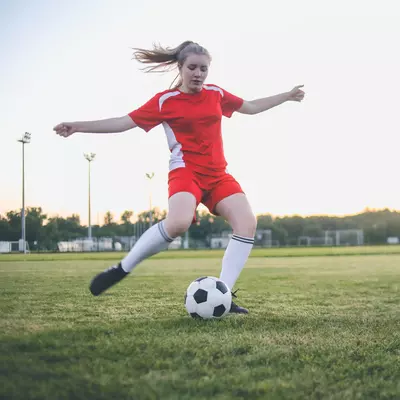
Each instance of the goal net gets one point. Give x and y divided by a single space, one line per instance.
14 247
345 237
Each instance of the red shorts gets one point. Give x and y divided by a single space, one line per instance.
208 190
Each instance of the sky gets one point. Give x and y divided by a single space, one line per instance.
335 153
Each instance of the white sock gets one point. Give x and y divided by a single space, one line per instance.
154 240
235 257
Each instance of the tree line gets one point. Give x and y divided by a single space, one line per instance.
43 232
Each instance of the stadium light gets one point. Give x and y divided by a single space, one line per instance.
24 140
90 157
150 177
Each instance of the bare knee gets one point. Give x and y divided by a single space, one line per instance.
180 215
245 225
238 213
176 226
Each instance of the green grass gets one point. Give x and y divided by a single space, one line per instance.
173 254
319 328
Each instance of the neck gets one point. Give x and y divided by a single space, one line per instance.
185 89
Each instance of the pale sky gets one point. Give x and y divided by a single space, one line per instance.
337 152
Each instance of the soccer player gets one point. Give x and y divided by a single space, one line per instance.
190 113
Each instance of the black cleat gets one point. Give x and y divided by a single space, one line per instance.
235 309
106 279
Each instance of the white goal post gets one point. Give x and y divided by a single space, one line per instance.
346 237
14 247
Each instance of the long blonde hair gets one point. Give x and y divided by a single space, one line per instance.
166 59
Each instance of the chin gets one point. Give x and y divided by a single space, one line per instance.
196 88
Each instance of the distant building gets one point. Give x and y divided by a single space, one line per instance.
393 240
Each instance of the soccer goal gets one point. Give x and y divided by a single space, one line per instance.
314 241
14 247
345 237
263 238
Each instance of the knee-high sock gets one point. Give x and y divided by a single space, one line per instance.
151 242
235 257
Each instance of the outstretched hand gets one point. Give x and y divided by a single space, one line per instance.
65 129
296 94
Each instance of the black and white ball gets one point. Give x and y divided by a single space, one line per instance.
208 297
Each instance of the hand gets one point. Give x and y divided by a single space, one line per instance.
66 129
296 94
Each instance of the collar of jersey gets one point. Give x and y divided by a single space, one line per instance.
191 94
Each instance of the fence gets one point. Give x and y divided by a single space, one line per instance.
263 238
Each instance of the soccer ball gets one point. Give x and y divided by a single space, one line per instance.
208 297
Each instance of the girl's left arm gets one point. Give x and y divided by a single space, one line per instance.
264 104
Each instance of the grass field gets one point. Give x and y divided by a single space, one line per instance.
318 328
256 252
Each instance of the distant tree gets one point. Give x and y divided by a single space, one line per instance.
294 226
312 229
14 222
34 225
126 228
75 218
265 221
376 224
108 218
59 229
126 217
5 229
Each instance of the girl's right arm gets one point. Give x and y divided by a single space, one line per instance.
111 125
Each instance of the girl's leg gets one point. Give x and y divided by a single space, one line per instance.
180 215
237 211
182 207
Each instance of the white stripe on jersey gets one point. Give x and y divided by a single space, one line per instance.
176 159
217 89
166 96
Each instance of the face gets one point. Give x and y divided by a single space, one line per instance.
194 72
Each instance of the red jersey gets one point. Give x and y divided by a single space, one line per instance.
192 124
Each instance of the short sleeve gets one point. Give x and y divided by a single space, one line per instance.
230 103
148 115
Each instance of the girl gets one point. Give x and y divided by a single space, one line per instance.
191 114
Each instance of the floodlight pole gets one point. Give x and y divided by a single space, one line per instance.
23 227
89 157
150 177
24 140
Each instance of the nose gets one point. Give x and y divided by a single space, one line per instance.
197 72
